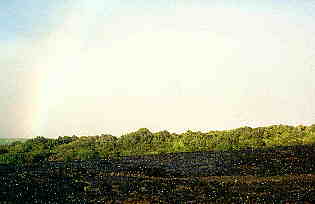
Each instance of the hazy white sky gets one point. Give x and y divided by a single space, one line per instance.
91 67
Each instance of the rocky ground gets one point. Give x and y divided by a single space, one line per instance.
278 175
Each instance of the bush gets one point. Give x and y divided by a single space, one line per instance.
13 158
3 150
143 142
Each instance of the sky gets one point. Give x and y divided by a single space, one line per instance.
92 67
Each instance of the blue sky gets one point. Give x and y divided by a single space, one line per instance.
85 68
19 19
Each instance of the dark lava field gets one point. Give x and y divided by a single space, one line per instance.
277 175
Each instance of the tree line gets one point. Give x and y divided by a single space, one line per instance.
144 142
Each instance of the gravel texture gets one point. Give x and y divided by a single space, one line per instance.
278 175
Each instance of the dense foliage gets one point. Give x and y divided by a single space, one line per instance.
142 141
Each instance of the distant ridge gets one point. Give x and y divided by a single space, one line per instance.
11 140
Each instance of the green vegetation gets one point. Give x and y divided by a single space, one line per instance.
11 140
143 141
